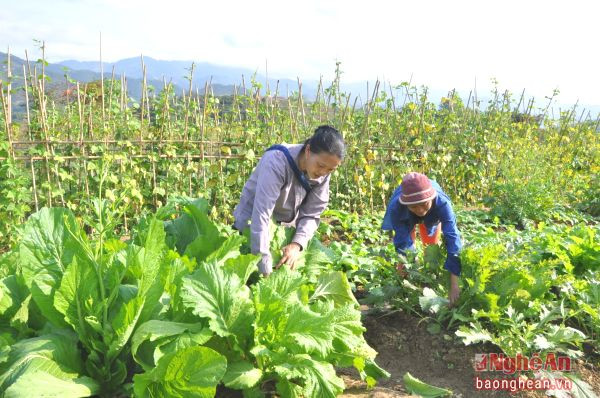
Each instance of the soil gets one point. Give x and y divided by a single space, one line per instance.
405 345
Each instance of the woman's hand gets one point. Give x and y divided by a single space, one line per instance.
454 292
290 253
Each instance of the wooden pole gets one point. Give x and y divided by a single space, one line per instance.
8 88
102 84
110 93
4 102
26 88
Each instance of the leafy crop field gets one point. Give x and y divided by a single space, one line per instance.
532 292
173 301
120 275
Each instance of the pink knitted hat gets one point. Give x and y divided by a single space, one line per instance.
416 188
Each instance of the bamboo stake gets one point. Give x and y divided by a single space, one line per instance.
257 103
581 117
187 104
33 81
354 106
392 96
68 106
53 126
102 84
327 104
122 96
236 106
318 99
44 70
406 88
203 134
301 105
475 95
154 193
42 102
186 137
422 115
35 196
268 92
516 111
25 84
57 176
91 118
142 107
82 162
27 63
8 88
165 112
292 119
505 101
41 95
148 114
198 116
345 111
469 100
110 93
529 106
83 150
4 103
275 109
370 106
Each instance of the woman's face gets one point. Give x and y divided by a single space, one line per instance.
420 209
320 164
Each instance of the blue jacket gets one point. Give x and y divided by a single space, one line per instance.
402 221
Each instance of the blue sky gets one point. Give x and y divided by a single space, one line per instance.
536 45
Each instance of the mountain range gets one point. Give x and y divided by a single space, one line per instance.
178 72
223 79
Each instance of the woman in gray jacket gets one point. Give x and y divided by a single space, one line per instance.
291 185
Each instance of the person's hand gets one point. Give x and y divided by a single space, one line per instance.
401 270
265 266
454 292
290 254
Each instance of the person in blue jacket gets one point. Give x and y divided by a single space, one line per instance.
419 200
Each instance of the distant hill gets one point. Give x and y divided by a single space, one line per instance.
57 81
223 80
178 72
57 73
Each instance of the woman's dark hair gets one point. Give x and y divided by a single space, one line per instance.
327 139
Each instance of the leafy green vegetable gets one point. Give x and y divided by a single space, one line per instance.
222 298
416 386
155 338
54 358
47 248
334 286
44 384
190 372
242 375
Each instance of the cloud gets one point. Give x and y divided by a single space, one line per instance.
536 44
